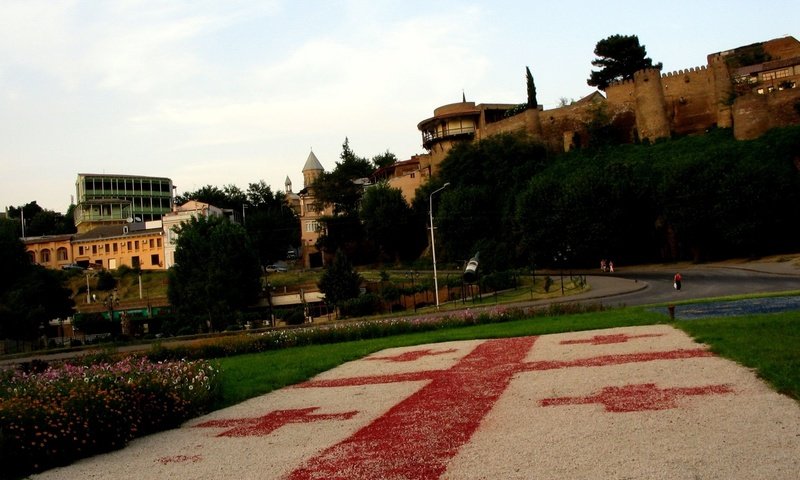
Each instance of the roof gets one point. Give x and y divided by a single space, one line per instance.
112 231
312 163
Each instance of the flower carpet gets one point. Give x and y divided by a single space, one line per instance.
634 402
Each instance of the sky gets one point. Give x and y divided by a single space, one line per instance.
232 92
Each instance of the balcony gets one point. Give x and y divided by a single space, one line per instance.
429 137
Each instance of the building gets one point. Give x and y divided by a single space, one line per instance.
750 89
309 212
184 213
135 245
116 199
51 251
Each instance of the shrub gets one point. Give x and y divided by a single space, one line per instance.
105 281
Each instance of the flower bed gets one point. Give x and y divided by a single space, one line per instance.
349 330
67 412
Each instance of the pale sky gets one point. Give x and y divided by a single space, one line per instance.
237 91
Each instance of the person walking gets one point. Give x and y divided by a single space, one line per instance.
676 281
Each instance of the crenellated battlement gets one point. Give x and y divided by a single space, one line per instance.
676 73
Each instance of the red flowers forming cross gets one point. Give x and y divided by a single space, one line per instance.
264 425
637 398
606 339
418 436
412 356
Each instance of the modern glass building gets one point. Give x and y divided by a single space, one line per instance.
115 199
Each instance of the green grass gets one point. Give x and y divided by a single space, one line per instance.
246 376
768 343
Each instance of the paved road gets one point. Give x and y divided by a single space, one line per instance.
707 281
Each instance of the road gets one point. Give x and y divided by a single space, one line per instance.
706 282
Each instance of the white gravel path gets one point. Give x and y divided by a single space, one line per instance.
531 408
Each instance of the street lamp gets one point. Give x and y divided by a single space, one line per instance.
433 244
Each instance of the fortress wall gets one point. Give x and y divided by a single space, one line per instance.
621 93
754 114
526 122
690 100
651 117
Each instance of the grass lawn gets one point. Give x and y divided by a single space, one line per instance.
246 376
768 343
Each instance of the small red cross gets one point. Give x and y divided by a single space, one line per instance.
605 339
413 355
637 398
266 424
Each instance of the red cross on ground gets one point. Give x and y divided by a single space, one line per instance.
606 339
418 436
412 356
637 398
266 424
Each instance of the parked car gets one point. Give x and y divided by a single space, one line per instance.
275 268
72 266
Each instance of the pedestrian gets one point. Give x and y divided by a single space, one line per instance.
611 266
603 265
676 281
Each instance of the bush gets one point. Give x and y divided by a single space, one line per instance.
295 317
105 281
363 305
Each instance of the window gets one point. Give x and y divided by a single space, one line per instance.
44 255
94 249
136 244
158 242
312 226
115 247
135 263
80 249
152 243
154 260
129 246
108 248
61 254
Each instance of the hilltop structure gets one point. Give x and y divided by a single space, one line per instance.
750 89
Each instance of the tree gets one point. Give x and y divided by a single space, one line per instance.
387 221
532 103
620 56
338 188
384 159
30 295
29 305
216 274
270 223
339 281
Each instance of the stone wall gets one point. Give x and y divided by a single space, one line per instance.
754 114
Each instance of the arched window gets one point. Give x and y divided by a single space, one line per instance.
61 254
44 256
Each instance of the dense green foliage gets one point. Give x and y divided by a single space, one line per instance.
269 221
619 57
387 221
699 198
339 281
215 277
39 221
30 295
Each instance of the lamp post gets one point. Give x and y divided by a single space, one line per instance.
433 243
